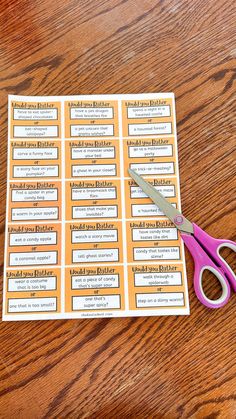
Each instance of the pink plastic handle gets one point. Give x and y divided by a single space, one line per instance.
203 262
213 247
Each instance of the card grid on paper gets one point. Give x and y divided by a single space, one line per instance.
82 239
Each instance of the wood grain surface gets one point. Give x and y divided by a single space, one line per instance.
166 367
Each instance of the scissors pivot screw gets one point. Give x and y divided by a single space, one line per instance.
179 220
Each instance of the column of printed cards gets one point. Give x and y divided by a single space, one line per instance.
155 253
33 248
94 255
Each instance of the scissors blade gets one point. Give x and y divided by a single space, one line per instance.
172 213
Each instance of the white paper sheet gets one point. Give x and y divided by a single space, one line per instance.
82 239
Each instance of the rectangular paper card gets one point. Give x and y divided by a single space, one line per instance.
82 239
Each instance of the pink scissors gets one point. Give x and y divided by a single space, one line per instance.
204 248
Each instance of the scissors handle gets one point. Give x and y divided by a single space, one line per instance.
213 247
205 251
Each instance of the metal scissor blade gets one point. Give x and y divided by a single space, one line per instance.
172 213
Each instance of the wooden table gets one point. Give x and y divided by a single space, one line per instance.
166 367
